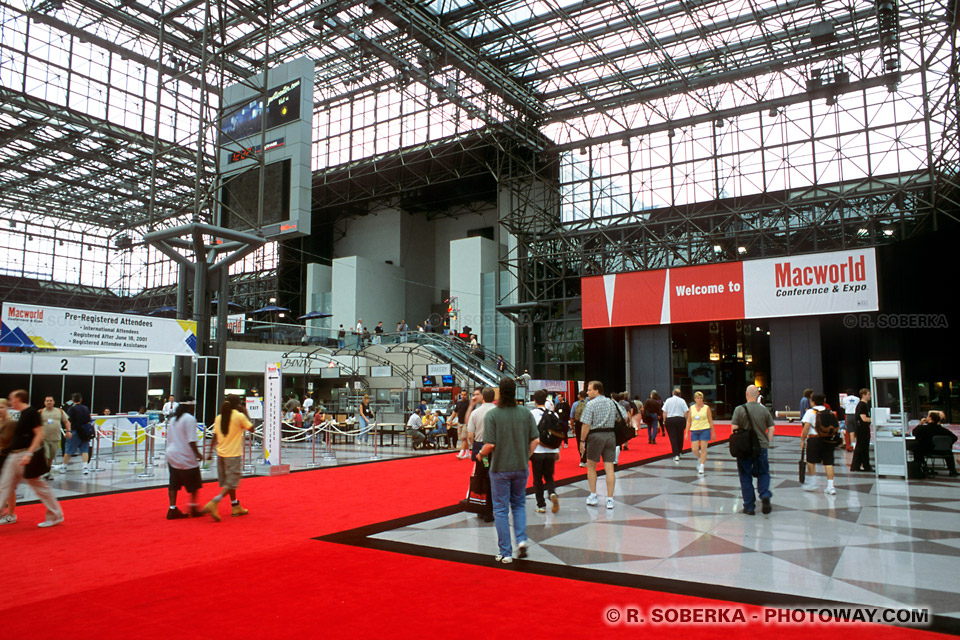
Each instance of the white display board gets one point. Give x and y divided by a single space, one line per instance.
57 328
272 385
439 370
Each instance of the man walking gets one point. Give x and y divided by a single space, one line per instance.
183 459
849 404
819 427
510 434
460 411
544 458
378 333
479 408
861 452
598 439
79 416
341 337
53 419
675 409
754 415
27 441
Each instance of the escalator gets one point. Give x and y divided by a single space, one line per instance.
480 368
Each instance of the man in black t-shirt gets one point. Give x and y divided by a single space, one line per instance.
26 443
861 452
460 411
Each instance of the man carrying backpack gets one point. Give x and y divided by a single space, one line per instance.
545 456
754 415
820 427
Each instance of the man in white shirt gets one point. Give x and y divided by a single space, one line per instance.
307 403
170 407
675 410
475 440
818 442
544 458
849 404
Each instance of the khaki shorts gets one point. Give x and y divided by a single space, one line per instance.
602 445
229 471
51 448
462 431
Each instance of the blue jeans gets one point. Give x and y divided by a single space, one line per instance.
509 489
341 343
652 431
364 435
745 469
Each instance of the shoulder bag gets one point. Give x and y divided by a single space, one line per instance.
37 466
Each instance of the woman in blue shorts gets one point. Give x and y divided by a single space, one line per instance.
699 429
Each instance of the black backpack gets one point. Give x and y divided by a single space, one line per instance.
744 442
552 431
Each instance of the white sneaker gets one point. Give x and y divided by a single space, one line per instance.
86 469
522 548
583 465
50 523
592 500
676 458
609 503
830 491
503 559
700 469
809 486
62 468
8 519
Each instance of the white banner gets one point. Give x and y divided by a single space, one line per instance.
272 413
26 325
811 284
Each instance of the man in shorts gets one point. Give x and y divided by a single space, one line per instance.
53 419
818 426
183 458
598 439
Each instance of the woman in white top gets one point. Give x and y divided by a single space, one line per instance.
699 429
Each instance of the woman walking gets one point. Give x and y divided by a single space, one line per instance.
228 430
699 429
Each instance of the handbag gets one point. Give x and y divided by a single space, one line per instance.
803 464
38 465
621 431
478 492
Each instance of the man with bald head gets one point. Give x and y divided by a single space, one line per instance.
754 415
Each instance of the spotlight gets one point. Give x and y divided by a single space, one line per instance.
741 250
888 232
717 248
774 113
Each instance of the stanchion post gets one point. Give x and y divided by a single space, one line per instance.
328 455
96 448
376 427
313 446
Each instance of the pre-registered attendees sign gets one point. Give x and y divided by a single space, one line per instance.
26 325
804 285
271 413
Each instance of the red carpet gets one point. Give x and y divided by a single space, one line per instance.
118 568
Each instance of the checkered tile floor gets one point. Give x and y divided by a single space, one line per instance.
876 542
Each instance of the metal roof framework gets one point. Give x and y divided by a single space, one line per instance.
108 110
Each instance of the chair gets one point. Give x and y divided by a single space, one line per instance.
942 449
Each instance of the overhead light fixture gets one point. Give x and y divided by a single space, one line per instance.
583 151
774 113
717 248
888 232
718 123
862 232
318 24
831 100
741 250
